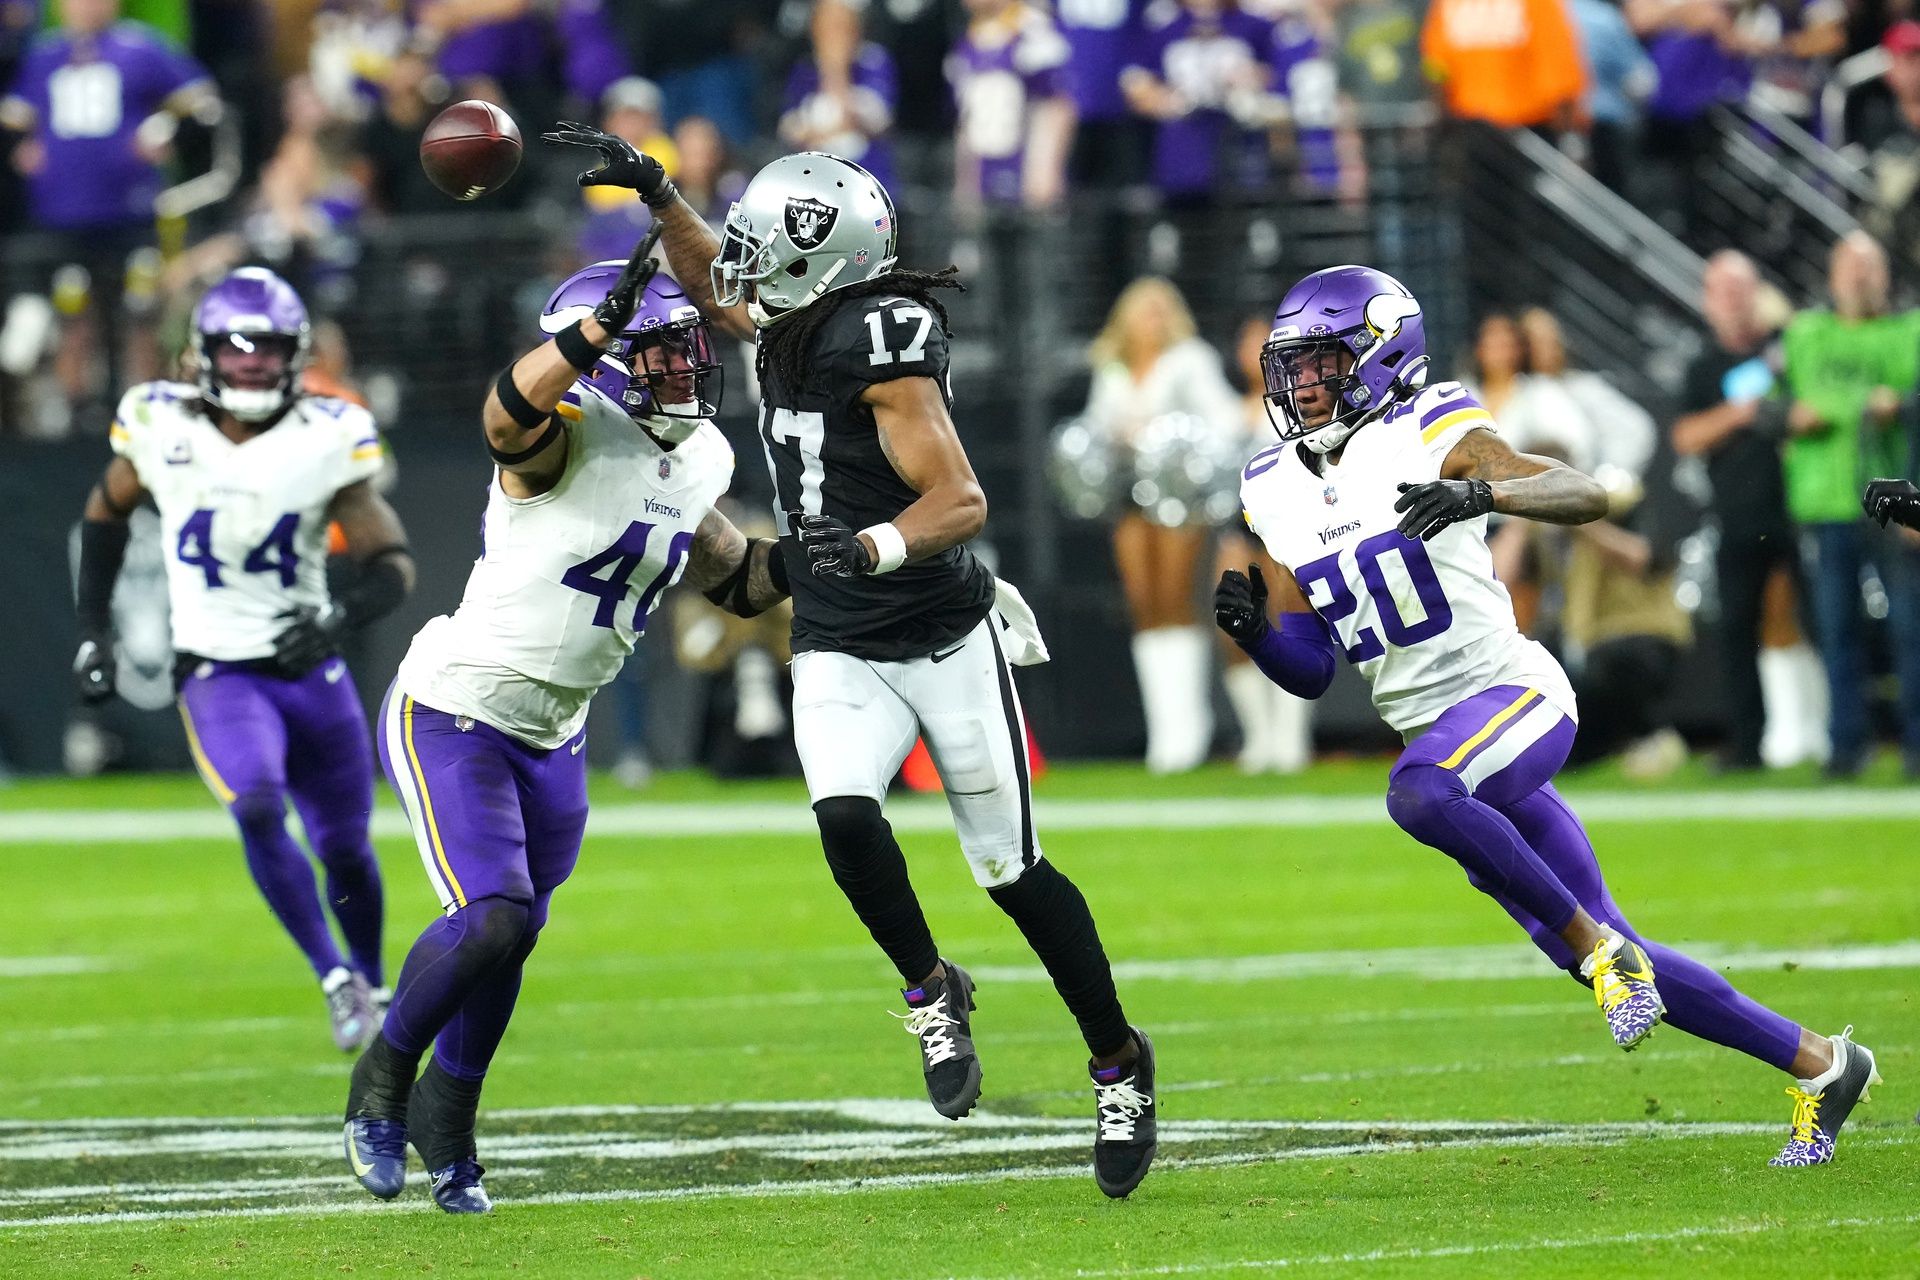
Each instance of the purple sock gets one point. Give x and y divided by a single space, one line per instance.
466 1045
1699 1001
1433 806
284 876
448 962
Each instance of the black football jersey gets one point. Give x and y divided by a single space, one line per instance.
824 452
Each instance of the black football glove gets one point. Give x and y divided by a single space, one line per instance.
310 639
1895 500
93 669
617 308
1240 605
1432 506
833 549
621 163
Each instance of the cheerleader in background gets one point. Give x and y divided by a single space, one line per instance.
1148 362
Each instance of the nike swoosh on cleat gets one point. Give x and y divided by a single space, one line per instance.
942 657
360 1169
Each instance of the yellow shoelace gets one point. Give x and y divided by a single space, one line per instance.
1806 1111
1609 988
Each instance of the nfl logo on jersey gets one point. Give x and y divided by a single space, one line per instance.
1329 495
666 468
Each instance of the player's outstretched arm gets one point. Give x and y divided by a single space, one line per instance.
103 547
691 244
1483 474
1297 655
526 439
744 577
378 544
691 249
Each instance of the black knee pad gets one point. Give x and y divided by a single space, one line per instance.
495 928
852 831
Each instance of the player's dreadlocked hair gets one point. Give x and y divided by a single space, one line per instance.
784 347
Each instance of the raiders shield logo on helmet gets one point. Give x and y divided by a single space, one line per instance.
809 221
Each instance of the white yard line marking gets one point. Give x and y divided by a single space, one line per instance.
1475 963
1477 1250
1542 1136
920 815
51 966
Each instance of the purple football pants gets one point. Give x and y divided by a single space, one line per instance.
1477 785
498 824
259 740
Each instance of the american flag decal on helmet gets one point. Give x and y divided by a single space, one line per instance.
882 223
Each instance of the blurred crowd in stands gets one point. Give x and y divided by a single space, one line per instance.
311 112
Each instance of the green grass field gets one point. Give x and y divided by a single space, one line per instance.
1363 1067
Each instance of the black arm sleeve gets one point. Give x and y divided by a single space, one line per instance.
378 591
103 546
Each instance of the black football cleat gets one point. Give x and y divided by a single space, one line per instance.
937 1018
1129 1133
376 1128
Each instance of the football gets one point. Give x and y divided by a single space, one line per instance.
471 148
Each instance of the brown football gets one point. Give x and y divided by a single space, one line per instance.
471 148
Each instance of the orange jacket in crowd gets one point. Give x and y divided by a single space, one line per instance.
1513 63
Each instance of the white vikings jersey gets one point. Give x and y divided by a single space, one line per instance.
1427 623
244 526
565 581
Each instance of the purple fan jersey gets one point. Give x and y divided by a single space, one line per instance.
86 97
508 50
591 55
1198 57
1305 76
1101 35
873 73
999 69
1695 74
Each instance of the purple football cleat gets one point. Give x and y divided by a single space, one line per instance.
1622 979
457 1188
1822 1105
351 1010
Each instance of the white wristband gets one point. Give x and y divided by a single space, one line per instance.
889 548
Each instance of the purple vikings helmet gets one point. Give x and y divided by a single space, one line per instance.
251 327
1367 314
664 371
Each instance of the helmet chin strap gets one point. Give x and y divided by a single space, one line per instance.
1330 437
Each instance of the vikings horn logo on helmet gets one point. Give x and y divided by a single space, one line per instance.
809 221
1386 311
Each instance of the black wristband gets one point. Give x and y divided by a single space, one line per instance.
732 593
777 566
665 196
515 402
575 349
502 458
103 546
